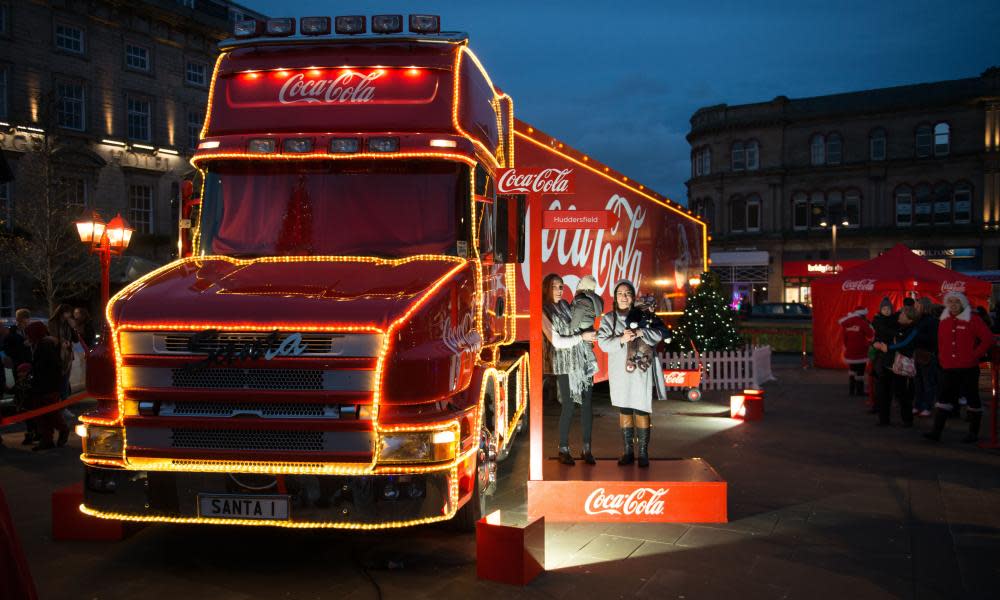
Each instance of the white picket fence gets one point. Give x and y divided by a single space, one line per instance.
732 370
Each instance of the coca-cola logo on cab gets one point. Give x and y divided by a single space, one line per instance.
640 501
858 285
952 286
536 181
349 87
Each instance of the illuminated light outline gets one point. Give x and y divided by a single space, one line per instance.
211 95
456 95
452 508
327 156
379 374
704 227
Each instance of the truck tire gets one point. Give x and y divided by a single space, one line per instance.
486 482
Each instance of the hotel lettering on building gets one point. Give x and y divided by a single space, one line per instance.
120 87
917 164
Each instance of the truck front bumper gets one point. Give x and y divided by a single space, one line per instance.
364 501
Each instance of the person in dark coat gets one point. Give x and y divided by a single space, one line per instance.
884 325
17 353
85 330
46 384
925 357
902 388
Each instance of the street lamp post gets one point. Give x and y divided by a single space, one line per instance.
105 240
833 231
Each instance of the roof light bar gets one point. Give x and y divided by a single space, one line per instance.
383 144
425 24
344 145
314 25
298 145
387 24
350 25
261 146
248 28
283 26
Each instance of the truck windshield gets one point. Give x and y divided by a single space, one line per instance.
371 208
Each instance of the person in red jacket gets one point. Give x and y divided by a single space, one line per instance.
858 334
962 341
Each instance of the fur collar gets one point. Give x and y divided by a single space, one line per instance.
858 313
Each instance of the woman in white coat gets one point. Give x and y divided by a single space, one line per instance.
631 392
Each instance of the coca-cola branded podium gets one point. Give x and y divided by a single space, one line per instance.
684 490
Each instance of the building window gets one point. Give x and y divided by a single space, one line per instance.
817 150
925 136
834 149
7 297
69 38
69 106
737 214
800 211
696 163
942 139
942 204
739 157
753 213
6 207
4 17
194 124
752 150
922 205
705 209
140 208
876 144
136 57
702 162
963 202
817 210
186 3
196 74
74 194
138 119
3 93
835 207
904 207
852 208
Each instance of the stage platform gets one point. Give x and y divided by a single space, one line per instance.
683 490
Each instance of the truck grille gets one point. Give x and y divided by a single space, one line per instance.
260 409
246 439
315 343
248 379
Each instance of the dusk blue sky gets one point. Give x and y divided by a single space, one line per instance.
620 80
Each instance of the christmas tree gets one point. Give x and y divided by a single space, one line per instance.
707 321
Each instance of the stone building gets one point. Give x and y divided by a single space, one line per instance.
916 164
119 87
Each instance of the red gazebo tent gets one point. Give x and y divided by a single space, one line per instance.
897 273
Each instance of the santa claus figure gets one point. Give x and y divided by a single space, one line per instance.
858 334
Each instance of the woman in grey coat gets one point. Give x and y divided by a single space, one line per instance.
564 360
631 392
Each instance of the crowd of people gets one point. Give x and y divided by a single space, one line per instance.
40 355
627 334
923 356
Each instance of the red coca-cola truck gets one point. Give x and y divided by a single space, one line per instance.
338 345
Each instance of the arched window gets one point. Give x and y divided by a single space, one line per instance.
739 157
817 150
752 151
696 163
706 161
904 206
737 214
835 207
852 208
834 149
817 210
753 213
876 144
942 203
922 204
925 137
963 202
800 211
942 139
705 208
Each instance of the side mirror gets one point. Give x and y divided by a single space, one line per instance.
189 204
510 236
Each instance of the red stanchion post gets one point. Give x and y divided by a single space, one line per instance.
995 381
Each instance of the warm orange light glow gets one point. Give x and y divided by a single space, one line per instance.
413 71
281 73
315 72
324 156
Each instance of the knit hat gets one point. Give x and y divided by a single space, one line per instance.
908 301
885 302
23 368
35 331
926 304
587 284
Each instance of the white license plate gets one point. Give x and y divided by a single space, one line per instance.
231 506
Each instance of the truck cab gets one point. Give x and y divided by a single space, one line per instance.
334 349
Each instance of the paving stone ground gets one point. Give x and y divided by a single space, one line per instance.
822 504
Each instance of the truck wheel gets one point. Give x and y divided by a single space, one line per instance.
486 483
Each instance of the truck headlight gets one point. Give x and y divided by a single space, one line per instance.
103 441
417 446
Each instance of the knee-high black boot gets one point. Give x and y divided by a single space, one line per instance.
940 416
643 437
975 419
627 456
